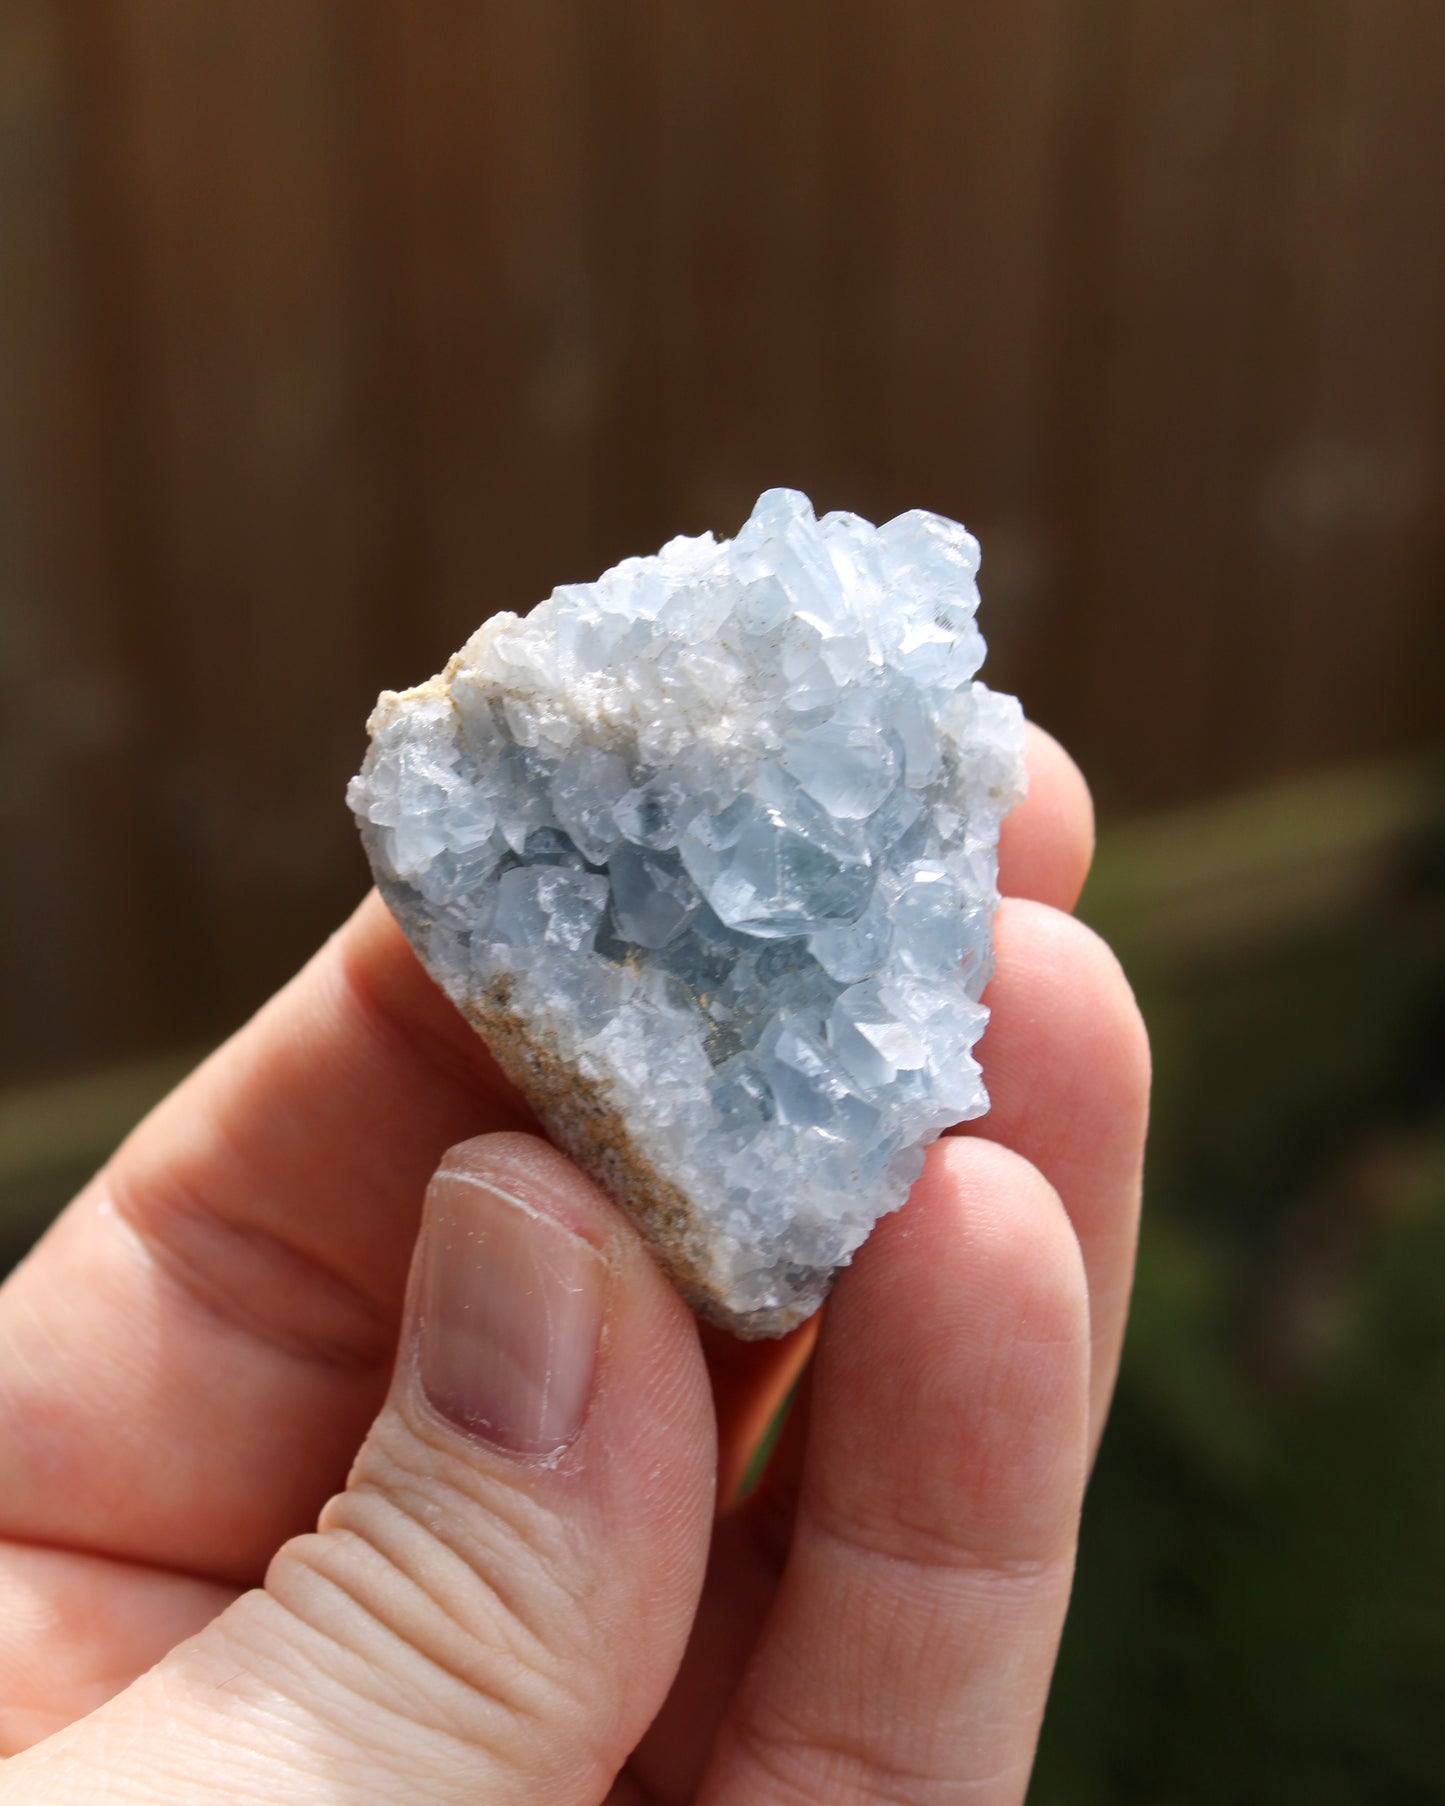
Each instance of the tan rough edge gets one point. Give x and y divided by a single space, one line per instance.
580 1117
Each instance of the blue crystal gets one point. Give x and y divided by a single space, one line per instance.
848 771
656 814
549 906
652 896
811 1087
722 827
586 787
741 1095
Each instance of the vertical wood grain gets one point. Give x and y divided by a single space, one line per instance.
77 981
216 182
332 326
1351 500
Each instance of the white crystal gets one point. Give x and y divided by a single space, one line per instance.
716 835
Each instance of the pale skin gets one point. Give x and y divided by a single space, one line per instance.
244 1558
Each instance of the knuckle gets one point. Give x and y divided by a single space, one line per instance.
247 1275
440 1609
801 1763
986 1469
926 1552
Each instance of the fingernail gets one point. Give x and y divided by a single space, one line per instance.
511 1308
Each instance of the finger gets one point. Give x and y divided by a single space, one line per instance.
242 1261
1066 1060
750 1383
909 1650
75 1629
749 1548
1045 851
1047 843
495 1605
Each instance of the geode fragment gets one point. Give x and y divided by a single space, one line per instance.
706 851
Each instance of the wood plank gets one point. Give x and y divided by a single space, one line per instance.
964 340
1352 551
75 948
217 168
476 115
333 325
1152 449
733 229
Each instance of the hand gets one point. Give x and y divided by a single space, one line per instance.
195 1353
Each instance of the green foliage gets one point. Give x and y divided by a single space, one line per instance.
1259 1614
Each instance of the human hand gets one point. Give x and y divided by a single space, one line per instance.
192 1357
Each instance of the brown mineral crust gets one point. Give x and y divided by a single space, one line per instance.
580 1117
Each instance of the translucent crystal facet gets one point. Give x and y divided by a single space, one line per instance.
706 850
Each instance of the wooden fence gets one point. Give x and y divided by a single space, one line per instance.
328 326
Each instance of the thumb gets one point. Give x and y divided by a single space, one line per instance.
495 1607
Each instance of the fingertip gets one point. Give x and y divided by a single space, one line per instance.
1047 844
971 1304
1064 1018
986 1244
536 1175
650 1344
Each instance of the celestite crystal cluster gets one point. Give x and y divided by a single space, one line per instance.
706 851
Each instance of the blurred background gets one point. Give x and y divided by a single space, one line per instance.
328 327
